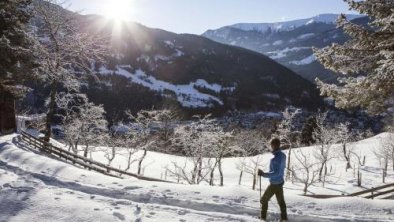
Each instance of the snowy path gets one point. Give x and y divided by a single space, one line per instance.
37 188
122 197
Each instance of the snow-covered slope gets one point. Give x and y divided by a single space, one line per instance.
290 25
34 187
289 43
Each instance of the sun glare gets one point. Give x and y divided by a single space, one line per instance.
119 10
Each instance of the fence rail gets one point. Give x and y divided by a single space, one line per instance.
80 160
368 193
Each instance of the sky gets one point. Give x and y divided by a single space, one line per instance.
197 16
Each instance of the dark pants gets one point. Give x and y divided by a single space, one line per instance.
272 189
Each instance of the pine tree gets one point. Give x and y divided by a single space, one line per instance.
17 61
366 60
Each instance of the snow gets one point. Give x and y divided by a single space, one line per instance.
283 53
290 25
214 87
186 94
305 36
305 61
35 187
278 42
178 52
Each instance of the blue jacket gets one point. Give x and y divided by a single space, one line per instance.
277 168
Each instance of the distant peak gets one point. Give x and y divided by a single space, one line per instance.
292 24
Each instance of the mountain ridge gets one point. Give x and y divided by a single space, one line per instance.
292 47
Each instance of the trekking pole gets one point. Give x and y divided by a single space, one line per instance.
260 195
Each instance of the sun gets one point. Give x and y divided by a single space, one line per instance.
119 10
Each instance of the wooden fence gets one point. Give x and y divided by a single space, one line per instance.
80 160
368 193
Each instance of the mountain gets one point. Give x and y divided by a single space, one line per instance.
289 43
152 68
198 73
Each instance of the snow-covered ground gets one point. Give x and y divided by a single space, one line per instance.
34 187
187 94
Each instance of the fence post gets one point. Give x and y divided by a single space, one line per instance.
372 194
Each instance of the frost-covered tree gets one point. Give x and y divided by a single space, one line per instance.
220 149
325 137
252 144
287 133
70 104
196 141
367 59
131 144
84 123
166 119
113 144
385 153
344 137
141 133
17 48
67 51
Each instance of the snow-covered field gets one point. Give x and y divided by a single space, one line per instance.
34 187
187 94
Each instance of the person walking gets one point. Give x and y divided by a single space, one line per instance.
275 176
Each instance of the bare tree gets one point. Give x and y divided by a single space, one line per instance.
130 147
305 170
67 51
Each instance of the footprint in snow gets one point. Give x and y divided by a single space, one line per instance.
182 220
197 192
57 198
119 216
132 188
137 210
96 209
182 212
